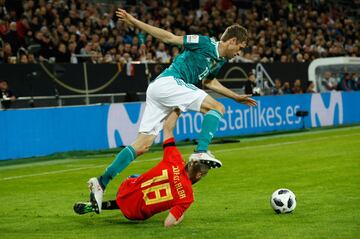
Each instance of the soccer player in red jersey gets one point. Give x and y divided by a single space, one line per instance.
167 186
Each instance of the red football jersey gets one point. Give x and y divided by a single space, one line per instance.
166 186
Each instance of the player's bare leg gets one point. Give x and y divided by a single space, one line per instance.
123 159
170 123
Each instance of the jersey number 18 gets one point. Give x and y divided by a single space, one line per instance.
164 187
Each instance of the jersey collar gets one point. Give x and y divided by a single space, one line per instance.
217 49
217 52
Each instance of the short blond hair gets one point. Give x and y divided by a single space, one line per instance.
237 31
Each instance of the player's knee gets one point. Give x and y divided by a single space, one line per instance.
143 143
141 148
144 148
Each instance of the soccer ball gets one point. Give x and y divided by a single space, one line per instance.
283 201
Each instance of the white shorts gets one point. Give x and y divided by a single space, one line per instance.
163 96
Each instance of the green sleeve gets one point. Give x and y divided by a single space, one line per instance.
194 42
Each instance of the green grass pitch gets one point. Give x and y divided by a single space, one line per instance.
322 167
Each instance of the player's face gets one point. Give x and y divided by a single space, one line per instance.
3 85
194 176
234 48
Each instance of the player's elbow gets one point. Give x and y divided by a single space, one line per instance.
167 40
168 224
171 221
207 83
173 39
171 224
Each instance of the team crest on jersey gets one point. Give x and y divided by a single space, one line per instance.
192 39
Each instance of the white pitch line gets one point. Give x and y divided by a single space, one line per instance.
69 170
252 139
158 158
51 172
296 134
284 143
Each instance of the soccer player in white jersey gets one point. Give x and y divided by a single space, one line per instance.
201 60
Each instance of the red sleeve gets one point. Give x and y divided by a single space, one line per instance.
171 153
169 140
178 210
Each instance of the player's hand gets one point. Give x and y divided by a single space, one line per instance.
124 16
246 99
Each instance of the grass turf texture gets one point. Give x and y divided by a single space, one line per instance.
321 167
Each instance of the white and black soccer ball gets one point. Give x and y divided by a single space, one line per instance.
283 201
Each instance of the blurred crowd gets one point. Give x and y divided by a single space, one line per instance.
348 81
79 30
328 81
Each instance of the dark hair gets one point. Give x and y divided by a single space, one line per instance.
200 167
195 167
237 31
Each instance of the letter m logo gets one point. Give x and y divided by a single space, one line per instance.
326 109
123 123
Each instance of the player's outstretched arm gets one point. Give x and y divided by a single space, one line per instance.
171 220
156 32
216 86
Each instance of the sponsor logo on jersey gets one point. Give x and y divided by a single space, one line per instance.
192 39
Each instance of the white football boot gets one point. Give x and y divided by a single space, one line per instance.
206 158
96 194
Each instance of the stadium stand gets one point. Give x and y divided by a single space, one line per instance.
78 30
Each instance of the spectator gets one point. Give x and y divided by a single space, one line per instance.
161 53
86 50
134 52
150 58
311 87
62 55
250 84
354 82
297 89
277 33
143 52
328 83
22 27
72 51
3 27
7 96
24 59
31 58
286 88
347 83
12 37
7 53
277 89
